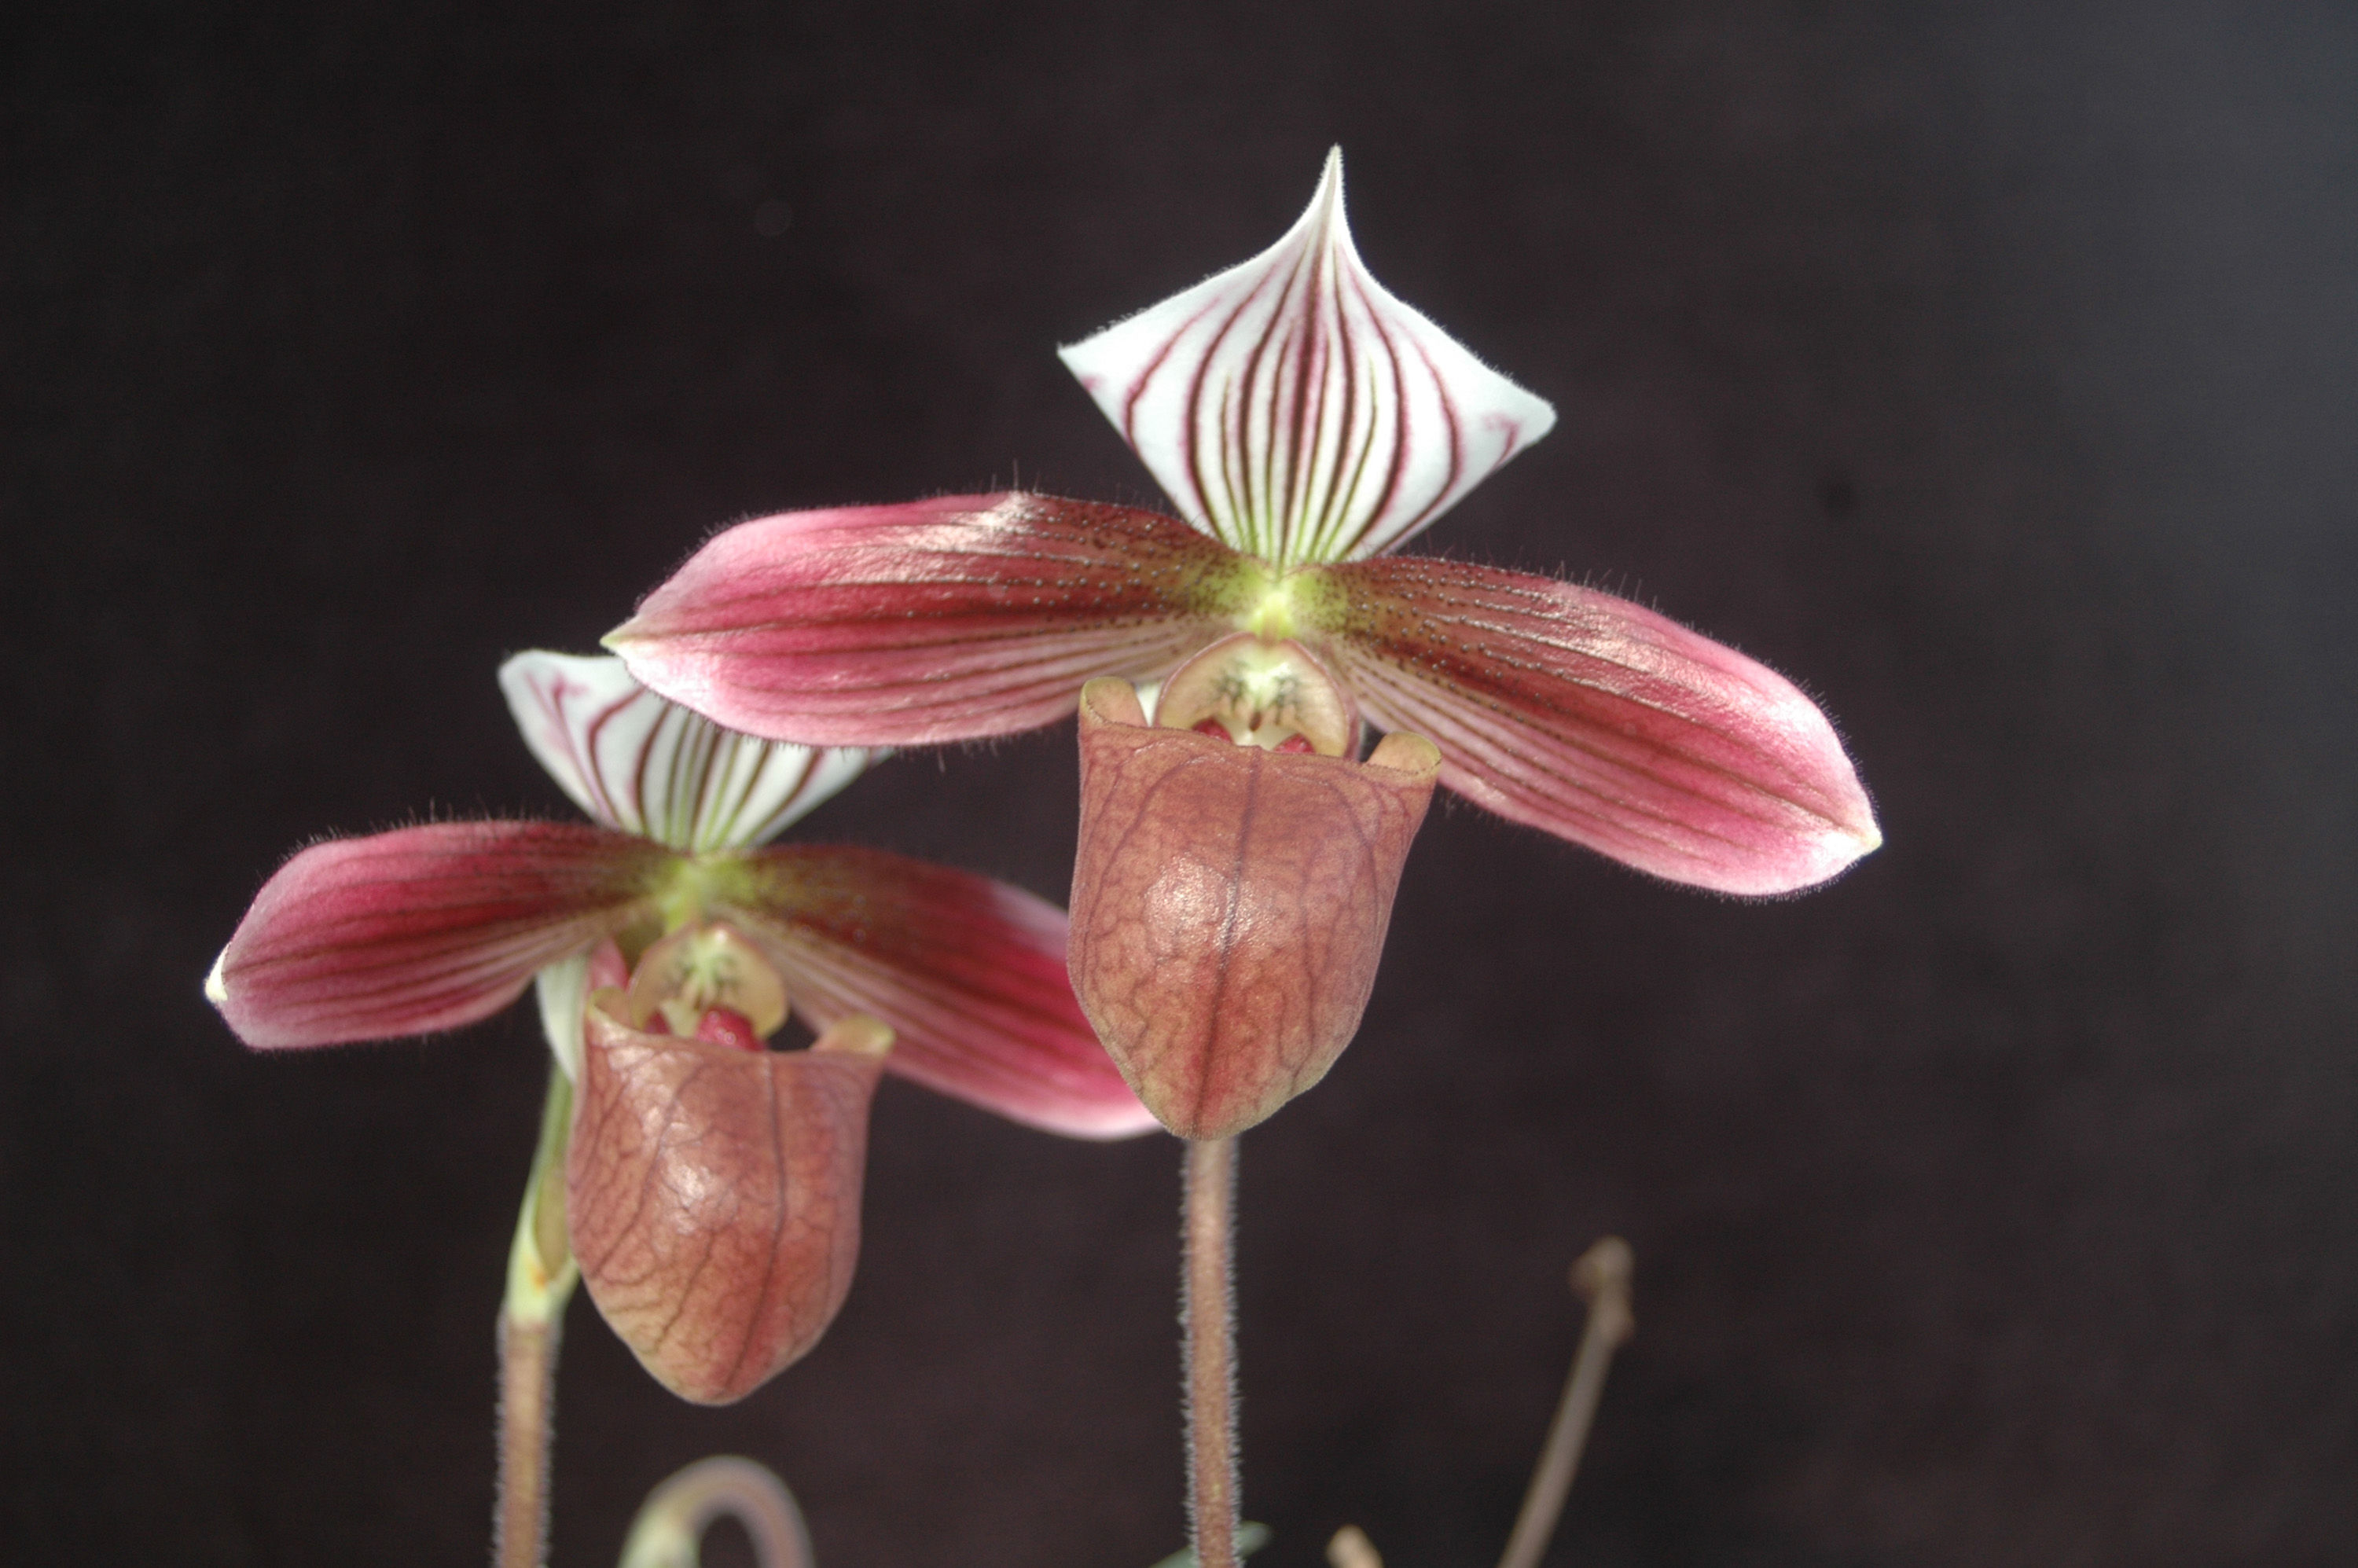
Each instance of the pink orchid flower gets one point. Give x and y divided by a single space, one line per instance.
1238 859
713 1185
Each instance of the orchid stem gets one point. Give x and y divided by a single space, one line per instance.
1208 1329
527 1389
1601 1277
669 1531
541 1276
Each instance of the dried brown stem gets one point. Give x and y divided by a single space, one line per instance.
1602 1278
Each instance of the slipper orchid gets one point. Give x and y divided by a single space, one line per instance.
1237 860
711 1186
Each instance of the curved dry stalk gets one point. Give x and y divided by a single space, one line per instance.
1601 1277
1350 1547
669 1530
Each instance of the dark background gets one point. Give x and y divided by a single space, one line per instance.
1988 367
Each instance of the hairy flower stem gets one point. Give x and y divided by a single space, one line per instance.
1208 1330
541 1276
1601 1276
527 1389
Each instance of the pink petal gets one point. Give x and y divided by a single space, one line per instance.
423 929
1293 408
650 767
941 619
1601 723
1229 906
712 1194
969 973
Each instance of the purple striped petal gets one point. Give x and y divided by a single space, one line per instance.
1600 721
650 767
943 619
423 929
1295 409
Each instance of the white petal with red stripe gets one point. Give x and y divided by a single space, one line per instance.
1295 410
646 766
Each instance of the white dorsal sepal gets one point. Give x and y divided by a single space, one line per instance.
646 766
1293 408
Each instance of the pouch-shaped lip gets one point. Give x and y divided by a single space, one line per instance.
1229 906
713 1194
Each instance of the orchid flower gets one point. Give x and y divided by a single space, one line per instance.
1238 859
711 1185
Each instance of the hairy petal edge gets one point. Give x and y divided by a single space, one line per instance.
1600 721
422 929
935 621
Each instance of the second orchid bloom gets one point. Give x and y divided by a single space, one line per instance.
1237 856
710 1190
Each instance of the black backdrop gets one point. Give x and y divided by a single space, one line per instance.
1988 367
